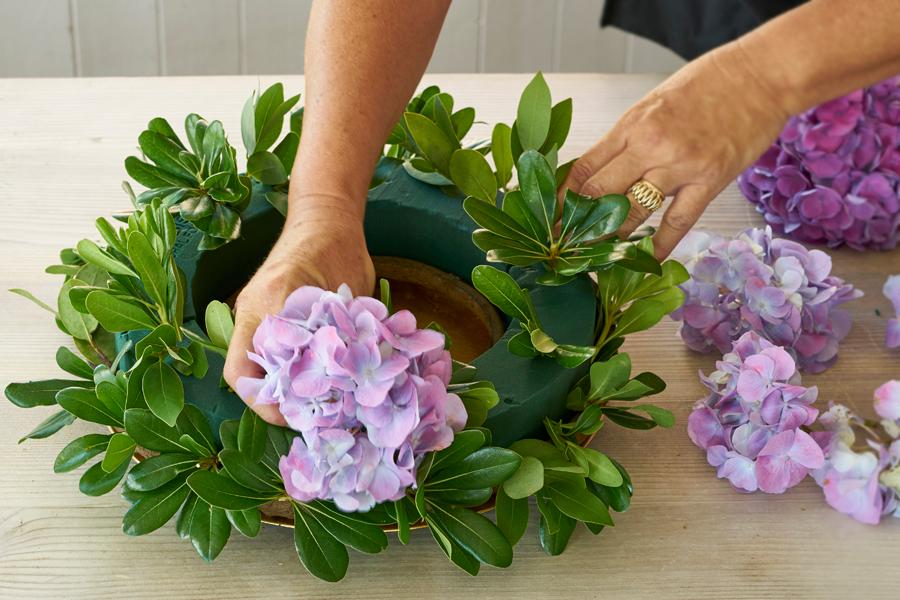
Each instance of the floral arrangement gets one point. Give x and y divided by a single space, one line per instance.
384 427
771 286
756 428
833 175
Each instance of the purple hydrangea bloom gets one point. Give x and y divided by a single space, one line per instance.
750 423
366 390
833 175
892 292
771 286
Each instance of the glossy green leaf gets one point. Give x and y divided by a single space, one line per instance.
155 509
157 471
514 205
503 292
266 168
286 150
163 392
219 323
660 416
321 554
555 528
486 467
249 473
96 482
458 555
609 375
116 314
627 419
578 503
69 362
431 141
472 174
152 433
39 393
464 443
49 426
252 435
79 451
560 121
120 449
642 314
502 152
77 324
533 115
148 266
84 404
248 522
475 533
208 529
520 345
538 186
598 466
512 516
348 529
92 253
527 480
221 491
194 423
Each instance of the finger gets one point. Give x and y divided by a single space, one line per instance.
682 214
592 161
238 365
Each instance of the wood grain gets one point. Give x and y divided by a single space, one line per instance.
687 535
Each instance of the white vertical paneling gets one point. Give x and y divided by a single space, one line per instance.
201 37
649 57
457 47
583 46
519 36
275 31
117 38
36 39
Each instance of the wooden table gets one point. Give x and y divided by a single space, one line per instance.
687 534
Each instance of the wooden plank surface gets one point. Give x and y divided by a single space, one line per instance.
687 534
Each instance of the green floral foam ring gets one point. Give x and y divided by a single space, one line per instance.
408 219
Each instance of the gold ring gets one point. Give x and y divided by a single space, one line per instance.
647 195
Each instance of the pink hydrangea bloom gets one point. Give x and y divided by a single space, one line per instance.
749 424
833 176
366 390
892 292
887 400
773 287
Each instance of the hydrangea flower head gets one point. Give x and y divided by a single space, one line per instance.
833 175
771 286
366 390
749 424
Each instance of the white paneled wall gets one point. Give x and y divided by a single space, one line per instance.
53 38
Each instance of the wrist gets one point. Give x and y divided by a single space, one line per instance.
765 95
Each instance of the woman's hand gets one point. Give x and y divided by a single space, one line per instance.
690 137
322 245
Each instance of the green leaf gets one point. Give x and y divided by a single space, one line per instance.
152 433
514 205
83 403
512 516
642 314
660 416
626 419
538 186
39 393
533 115
587 220
224 223
248 472
542 342
116 314
96 482
120 449
163 392
193 422
349 530
462 121
164 152
487 467
495 220
560 121
520 345
643 262
92 253
503 292
551 457
208 529
469 498
49 426
321 554
111 396
286 150
157 471
219 323
572 356
29 296
464 443
219 490
148 266
79 451
77 324
246 521
475 533
555 528
402 521
578 503
252 435
471 173
502 152
154 509
599 467
458 555
431 141
608 376
527 480
69 362
266 168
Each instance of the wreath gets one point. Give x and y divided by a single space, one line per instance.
182 445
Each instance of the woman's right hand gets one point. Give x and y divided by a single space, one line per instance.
322 244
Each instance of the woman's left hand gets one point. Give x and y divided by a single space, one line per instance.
689 137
